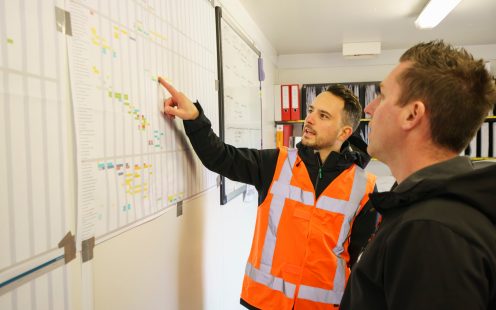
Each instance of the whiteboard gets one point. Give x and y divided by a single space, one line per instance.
132 162
83 145
240 100
36 166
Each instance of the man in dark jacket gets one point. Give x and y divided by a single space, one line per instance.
299 261
436 245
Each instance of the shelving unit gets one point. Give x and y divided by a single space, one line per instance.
489 119
301 121
482 147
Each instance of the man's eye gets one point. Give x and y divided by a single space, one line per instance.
379 96
324 116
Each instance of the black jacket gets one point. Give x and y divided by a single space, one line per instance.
436 245
257 167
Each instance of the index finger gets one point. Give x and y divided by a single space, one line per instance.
168 86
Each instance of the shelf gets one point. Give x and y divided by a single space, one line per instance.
489 119
301 121
471 158
482 158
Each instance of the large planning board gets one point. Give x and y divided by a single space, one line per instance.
84 149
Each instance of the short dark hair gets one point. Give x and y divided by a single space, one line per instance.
352 108
457 90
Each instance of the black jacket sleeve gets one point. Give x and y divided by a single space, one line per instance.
250 166
364 226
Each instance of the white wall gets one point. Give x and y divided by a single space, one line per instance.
195 261
333 67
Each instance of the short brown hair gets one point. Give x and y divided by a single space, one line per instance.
352 108
457 90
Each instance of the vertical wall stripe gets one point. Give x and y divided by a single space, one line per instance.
62 108
27 137
8 154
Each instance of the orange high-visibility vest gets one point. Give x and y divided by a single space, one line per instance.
299 252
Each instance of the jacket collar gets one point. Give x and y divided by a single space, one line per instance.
440 171
353 150
421 185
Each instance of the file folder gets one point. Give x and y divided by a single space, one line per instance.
295 102
279 135
287 132
285 103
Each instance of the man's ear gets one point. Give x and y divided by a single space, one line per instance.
412 114
346 132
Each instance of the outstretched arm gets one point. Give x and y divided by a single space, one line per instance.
249 166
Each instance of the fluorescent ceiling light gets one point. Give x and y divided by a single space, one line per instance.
434 12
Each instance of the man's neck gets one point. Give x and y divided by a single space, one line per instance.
405 165
324 153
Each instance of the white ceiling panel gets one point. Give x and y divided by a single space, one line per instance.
321 26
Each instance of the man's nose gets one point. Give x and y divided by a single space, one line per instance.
309 118
370 108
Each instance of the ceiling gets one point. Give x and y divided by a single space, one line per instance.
321 26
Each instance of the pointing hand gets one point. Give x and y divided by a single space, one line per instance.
178 104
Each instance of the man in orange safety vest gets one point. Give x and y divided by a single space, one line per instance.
313 217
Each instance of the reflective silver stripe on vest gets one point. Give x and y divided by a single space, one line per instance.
280 192
348 209
275 283
321 295
283 188
275 212
292 192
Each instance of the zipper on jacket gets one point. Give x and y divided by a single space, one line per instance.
319 173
